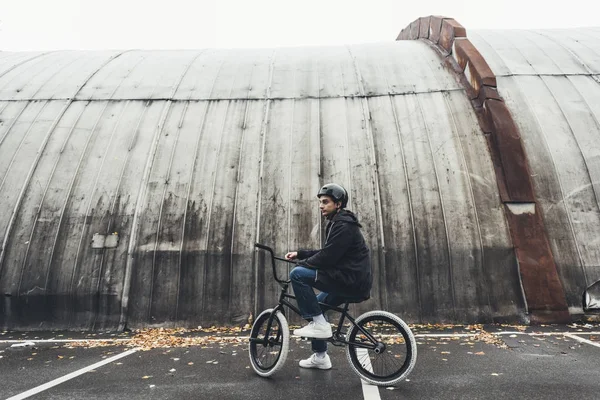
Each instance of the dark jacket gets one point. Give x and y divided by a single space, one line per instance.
344 262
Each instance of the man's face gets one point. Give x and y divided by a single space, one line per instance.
327 205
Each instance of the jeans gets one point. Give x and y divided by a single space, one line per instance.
303 281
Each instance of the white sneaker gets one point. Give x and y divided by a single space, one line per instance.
314 330
316 362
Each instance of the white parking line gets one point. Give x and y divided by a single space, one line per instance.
63 340
582 340
370 392
70 376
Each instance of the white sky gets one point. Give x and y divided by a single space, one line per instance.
180 24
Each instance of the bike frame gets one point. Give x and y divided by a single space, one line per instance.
335 339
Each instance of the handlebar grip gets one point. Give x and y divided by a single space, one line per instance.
262 246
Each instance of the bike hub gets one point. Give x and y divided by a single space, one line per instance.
379 348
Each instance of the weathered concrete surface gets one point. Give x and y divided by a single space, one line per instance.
192 156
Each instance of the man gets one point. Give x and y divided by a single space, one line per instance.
341 270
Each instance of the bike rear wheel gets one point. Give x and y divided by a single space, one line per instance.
386 358
268 350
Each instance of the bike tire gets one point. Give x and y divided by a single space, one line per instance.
268 359
391 364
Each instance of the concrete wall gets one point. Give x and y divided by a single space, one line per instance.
134 184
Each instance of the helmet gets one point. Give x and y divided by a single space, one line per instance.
337 192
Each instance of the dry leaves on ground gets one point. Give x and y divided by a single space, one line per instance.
148 339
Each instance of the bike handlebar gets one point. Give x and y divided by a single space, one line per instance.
273 258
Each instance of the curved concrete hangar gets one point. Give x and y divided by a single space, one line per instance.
134 184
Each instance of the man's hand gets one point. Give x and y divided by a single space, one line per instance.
292 255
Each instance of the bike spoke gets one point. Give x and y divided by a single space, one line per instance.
389 339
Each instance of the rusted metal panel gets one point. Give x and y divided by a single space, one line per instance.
499 277
558 119
547 186
570 132
512 155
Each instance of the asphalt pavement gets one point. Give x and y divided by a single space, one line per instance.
460 362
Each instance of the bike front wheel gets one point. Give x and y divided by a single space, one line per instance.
269 345
381 348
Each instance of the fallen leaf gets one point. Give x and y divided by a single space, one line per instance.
190 363
479 353
146 376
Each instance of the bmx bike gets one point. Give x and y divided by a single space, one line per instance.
380 347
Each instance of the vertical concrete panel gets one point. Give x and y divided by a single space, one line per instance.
401 285
123 204
24 139
156 275
22 189
460 217
58 265
243 260
434 278
156 269
194 266
101 199
220 226
304 221
33 226
275 197
364 200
